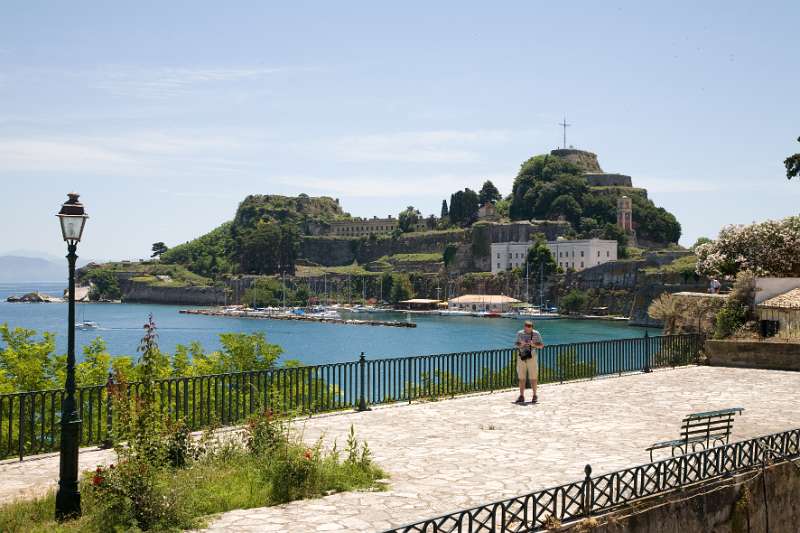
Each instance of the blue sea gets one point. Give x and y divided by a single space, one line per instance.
308 342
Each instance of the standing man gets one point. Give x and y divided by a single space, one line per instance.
714 286
529 341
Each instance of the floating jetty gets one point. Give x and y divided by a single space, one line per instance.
240 313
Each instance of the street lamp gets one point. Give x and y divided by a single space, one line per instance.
68 497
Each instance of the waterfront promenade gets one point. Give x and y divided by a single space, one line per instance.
451 454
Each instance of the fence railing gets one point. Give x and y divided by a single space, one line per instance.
30 421
596 495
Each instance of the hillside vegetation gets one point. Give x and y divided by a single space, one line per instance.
263 237
548 187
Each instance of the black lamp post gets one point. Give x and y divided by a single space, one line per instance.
68 497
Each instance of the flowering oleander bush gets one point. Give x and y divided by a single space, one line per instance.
770 248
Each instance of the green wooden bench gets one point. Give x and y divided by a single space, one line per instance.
703 430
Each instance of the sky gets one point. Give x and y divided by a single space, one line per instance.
165 115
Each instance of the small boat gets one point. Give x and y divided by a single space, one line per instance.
86 325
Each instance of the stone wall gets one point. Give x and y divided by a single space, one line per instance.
608 180
735 505
141 292
586 161
767 354
332 251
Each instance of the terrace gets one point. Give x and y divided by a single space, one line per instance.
453 454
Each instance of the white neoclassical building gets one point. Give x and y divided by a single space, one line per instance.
575 254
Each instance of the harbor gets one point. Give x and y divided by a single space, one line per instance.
282 314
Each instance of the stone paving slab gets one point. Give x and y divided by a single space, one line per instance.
451 454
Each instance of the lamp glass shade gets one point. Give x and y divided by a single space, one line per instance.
72 226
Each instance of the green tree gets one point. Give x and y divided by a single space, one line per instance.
488 193
464 207
539 258
792 164
158 249
401 288
260 249
408 219
574 301
240 352
567 207
27 363
701 241
533 174
104 285
445 212
449 254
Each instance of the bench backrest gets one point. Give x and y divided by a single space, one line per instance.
707 426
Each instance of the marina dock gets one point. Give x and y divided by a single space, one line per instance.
240 313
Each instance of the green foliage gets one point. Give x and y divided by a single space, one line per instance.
104 285
401 288
548 187
481 240
267 292
502 207
539 257
488 193
27 363
569 366
158 249
208 255
728 320
444 213
737 309
408 219
574 301
701 241
240 352
449 255
792 164
464 207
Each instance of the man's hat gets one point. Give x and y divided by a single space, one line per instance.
528 323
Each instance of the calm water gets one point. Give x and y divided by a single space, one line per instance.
121 328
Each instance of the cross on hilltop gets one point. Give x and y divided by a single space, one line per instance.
565 126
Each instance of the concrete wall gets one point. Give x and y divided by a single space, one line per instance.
774 355
767 288
735 505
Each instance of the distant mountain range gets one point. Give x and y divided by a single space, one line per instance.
18 269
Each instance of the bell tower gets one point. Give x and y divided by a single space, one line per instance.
625 214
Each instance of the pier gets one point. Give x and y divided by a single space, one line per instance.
240 313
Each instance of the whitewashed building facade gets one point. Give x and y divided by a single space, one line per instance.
575 254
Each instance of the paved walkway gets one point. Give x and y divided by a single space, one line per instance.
451 454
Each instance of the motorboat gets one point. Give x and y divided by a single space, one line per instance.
86 325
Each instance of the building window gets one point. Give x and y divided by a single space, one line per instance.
498 265
608 253
581 264
598 253
581 253
498 256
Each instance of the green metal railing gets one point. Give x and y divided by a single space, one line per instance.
29 421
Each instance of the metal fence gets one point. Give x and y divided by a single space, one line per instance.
601 494
30 421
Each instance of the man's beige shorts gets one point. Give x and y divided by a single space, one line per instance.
531 366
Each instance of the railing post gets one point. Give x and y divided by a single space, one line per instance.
21 440
646 368
588 489
108 442
362 370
